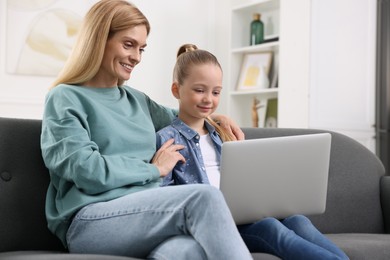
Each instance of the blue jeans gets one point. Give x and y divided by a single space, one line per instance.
177 222
292 238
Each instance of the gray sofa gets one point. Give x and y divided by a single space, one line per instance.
357 216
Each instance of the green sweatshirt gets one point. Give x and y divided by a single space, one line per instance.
97 144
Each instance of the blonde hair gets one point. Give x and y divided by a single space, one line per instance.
103 20
188 56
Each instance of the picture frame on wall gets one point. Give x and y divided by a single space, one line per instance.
40 35
255 70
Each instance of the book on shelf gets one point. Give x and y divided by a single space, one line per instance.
275 78
271 115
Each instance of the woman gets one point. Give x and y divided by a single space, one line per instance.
98 142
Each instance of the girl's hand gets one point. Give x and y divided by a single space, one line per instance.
229 125
167 157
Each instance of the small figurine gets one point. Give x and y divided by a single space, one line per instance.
255 115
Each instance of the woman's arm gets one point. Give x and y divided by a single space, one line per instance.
229 125
84 144
72 157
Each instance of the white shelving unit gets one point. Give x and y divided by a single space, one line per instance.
240 102
326 65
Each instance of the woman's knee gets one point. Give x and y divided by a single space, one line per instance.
207 193
178 247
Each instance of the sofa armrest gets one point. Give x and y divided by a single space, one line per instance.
385 201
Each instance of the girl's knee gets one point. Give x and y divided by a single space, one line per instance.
300 225
271 224
296 220
267 227
270 221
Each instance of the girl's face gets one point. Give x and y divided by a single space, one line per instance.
199 94
122 53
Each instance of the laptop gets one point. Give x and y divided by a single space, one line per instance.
275 177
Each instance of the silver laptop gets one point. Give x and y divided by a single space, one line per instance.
275 177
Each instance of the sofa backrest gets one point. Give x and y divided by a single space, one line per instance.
353 203
353 200
23 183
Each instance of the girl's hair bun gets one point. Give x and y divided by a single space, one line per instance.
186 48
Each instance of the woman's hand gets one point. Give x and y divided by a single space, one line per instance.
229 125
167 157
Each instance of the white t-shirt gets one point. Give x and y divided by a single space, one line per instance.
210 160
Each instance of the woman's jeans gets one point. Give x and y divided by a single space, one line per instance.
177 222
292 238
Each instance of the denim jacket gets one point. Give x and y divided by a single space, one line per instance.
193 170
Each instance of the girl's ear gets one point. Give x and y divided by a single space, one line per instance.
175 90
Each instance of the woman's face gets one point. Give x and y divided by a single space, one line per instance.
122 53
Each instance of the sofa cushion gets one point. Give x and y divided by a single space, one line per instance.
45 255
363 246
23 183
264 256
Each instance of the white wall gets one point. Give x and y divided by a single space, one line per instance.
207 24
20 95
173 23
294 66
343 57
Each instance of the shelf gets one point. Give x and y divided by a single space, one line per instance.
269 46
266 93
265 4
240 102
242 16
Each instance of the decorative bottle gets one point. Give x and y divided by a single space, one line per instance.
256 30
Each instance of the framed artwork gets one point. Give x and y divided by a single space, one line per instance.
40 34
255 71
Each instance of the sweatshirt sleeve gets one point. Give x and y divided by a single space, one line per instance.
73 159
161 116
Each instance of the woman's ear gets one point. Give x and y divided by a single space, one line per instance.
175 90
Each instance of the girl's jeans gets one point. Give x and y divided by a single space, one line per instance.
292 238
178 222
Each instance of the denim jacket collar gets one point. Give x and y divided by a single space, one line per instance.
188 132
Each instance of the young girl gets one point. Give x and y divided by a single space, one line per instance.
197 84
